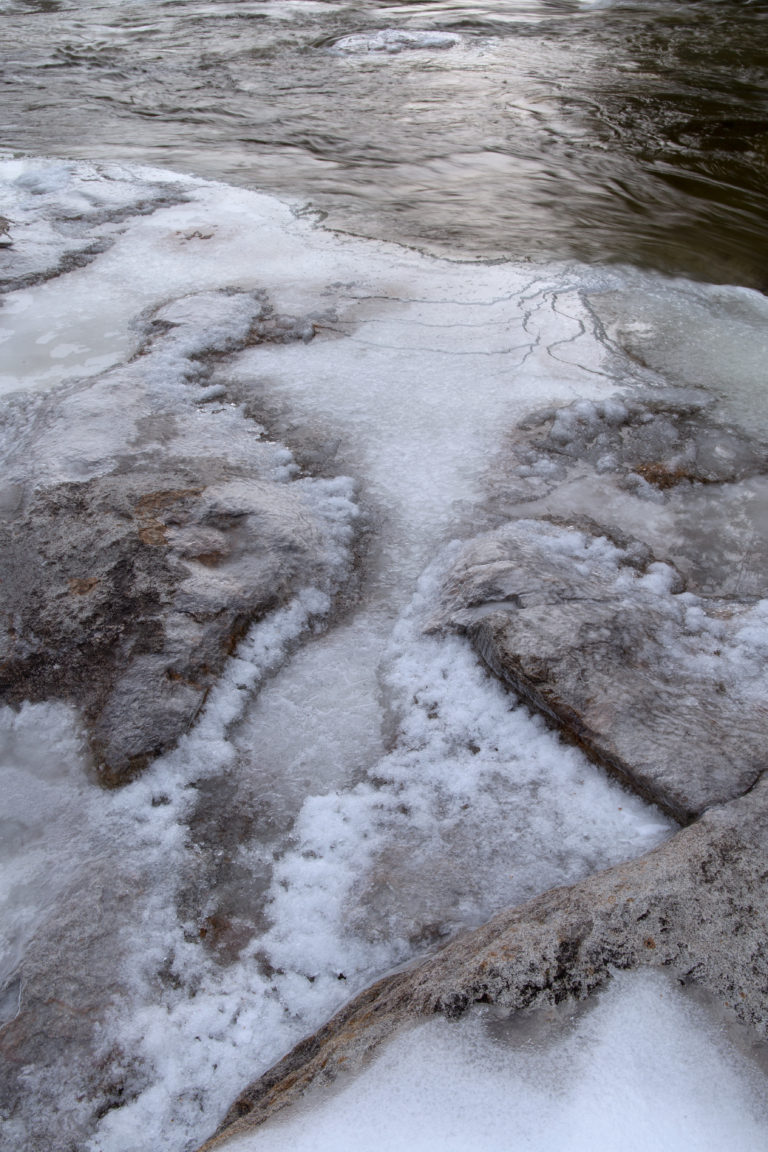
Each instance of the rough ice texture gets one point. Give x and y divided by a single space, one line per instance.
698 905
662 687
657 465
174 993
156 525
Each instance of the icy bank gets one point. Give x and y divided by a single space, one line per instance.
199 390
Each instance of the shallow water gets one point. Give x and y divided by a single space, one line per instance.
635 132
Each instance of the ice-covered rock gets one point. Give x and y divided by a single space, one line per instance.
147 524
395 40
55 216
632 612
697 906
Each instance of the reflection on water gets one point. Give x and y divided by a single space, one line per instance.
634 132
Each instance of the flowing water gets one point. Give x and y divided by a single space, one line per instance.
484 208
630 131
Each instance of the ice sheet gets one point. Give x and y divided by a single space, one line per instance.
644 1067
431 799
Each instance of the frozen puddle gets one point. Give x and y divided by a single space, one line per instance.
353 791
644 1066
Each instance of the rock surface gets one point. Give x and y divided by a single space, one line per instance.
641 637
664 688
657 670
134 556
698 906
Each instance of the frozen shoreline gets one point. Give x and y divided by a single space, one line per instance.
435 800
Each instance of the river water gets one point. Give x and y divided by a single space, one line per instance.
635 132
483 208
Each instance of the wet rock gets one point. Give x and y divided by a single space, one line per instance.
133 557
697 906
664 688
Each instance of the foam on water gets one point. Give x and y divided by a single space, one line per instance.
395 40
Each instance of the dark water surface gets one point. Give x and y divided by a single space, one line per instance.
629 132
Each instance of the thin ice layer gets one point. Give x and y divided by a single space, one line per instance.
147 524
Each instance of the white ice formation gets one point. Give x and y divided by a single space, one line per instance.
374 790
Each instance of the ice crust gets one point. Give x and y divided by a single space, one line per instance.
374 790
61 215
644 1066
696 335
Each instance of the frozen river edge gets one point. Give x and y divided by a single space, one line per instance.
272 485
651 670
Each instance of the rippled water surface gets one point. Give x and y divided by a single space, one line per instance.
632 132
